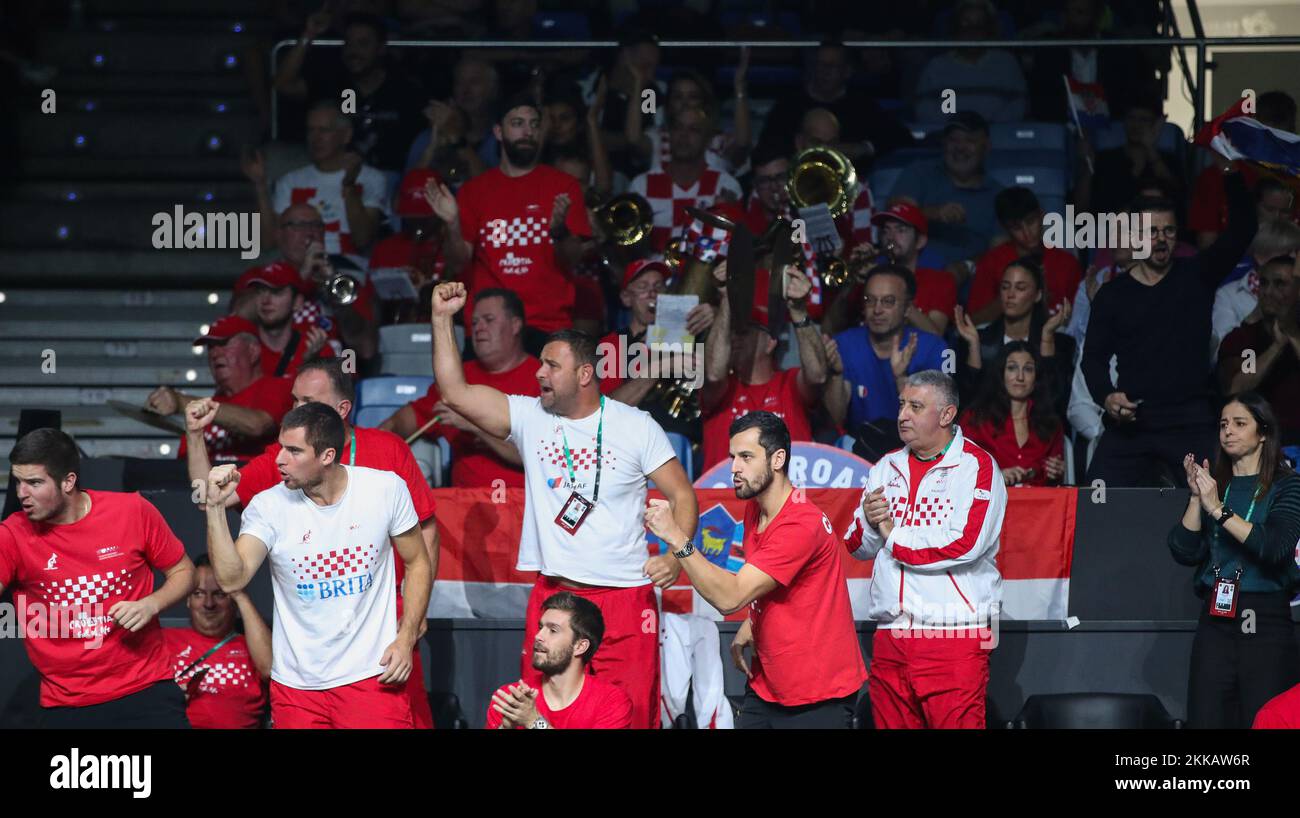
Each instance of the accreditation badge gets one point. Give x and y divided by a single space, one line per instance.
575 510
1223 598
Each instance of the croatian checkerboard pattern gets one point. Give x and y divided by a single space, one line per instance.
85 590
516 232
339 563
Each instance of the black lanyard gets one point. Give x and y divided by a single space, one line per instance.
568 458
208 653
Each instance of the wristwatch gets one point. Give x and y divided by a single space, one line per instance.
801 323
540 724
686 550
1225 514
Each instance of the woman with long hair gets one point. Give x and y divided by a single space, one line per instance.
1013 419
1024 318
1240 531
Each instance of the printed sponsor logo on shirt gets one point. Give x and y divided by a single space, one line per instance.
52 564
306 537
981 494
513 265
108 552
335 574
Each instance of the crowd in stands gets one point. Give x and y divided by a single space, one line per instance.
490 165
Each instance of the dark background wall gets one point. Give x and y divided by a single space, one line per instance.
1134 604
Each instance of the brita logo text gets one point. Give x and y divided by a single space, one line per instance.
333 588
91 772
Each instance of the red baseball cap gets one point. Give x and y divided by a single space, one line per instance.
410 197
636 268
276 274
906 213
225 328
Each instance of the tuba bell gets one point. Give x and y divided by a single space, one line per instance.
823 175
626 220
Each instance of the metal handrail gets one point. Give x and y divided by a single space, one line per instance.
1200 42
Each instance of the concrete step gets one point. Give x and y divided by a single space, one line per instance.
190 8
175 354
67 374
90 421
104 224
113 298
58 397
82 167
165 268
158 134
120 447
160 52
142 316
134 330
126 191
97 81
149 101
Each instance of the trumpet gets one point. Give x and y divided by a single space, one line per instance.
340 291
837 272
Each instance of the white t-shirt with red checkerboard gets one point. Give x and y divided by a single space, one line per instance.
71 576
324 191
333 573
507 219
609 548
668 202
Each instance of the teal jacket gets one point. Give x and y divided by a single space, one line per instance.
1267 557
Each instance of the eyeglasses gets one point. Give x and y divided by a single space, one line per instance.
888 302
651 289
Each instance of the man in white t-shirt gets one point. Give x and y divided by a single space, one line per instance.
340 655
586 462
351 196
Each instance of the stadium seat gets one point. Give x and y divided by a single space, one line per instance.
371 416
391 390
846 442
1171 137
434 460
882 181
407 349
1020 136
1110 711
682 447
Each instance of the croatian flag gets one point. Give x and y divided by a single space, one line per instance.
1238 135
1089 106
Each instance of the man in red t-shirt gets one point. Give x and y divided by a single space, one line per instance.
740 369
81 565
224 673
807 670
903 235
248 404
477 458
568 698
324 381
520 225
277 293
1282 712
1021 216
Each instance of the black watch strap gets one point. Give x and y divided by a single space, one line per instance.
1225 514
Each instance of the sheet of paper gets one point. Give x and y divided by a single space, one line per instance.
820 228
393 284
670 320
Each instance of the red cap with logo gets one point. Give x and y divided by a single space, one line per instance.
411 203
275 275
636 268
225 328
905 212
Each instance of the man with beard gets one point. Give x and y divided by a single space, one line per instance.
81 565
300 237
807 667
519 225
568 697
341 653
247 404
879 356
1156 321
585 490
285 344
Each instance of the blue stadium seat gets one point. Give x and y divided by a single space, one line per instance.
882 181
682 447
1046 182
1171 137
1036 136
391 391
371 416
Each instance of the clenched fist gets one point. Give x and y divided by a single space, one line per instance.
221 484
449 298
